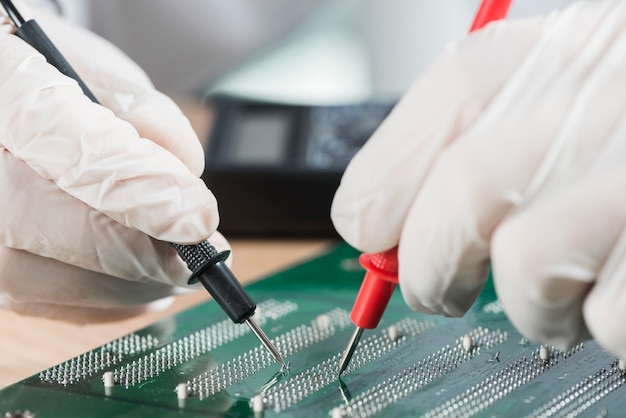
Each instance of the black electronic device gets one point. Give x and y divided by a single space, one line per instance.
274 168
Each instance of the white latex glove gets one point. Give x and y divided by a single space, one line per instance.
510 149
91 195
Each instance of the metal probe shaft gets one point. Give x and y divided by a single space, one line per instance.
349 351
266 342
206 264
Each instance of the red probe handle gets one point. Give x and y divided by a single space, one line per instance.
377 287
489 11
382 268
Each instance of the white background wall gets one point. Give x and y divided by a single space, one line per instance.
305 50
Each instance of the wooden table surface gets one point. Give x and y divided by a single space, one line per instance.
30 345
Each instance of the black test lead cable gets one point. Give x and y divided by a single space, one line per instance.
31 32
205 262
13 13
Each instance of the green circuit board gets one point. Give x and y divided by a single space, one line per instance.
197 363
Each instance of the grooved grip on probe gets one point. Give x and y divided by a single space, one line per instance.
208 267
199 255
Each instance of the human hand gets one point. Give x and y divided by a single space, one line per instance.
92 194
509 150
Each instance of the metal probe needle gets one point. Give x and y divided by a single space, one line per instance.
349 351
266 342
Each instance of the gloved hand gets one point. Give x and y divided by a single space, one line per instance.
510 149
91 195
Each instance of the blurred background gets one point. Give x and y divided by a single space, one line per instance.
315 51
275 155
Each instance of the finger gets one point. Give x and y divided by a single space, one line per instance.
96 157
506 158
381 182
157 118
81 314
221 244
38 217
445 240
605 306
122 86
28 278
547 257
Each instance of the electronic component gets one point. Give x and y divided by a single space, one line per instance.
413 365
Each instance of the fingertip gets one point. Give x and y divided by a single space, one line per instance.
351 215
194 225
603 313
511 275
443 250
431 287
220 242
413 302
539 294
157 118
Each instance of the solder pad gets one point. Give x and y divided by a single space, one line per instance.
412 365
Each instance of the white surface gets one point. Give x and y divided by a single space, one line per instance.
108 379
468 342
331 51
182 391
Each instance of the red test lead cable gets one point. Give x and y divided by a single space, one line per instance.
382 268
489 11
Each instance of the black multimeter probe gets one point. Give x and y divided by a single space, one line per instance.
205 262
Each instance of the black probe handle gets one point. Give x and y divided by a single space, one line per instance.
209 268
32 33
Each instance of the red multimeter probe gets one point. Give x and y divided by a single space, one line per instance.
381 277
